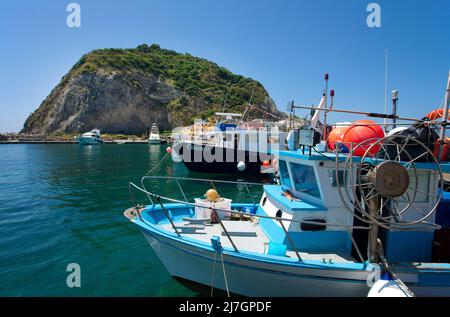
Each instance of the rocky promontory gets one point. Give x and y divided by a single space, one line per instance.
126 90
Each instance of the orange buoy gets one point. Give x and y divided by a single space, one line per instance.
436 114
266 163
212 195
169 149
360 131
336 135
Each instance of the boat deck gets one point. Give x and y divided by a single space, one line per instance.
247 236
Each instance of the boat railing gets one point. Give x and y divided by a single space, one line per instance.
212 182
160 198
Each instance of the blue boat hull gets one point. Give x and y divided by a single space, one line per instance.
253 274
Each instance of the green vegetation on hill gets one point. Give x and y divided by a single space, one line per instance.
196 77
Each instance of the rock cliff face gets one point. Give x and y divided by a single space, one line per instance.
125 91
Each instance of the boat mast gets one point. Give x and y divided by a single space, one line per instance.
445 119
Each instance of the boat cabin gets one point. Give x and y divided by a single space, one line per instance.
309 193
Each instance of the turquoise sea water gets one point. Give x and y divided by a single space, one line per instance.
62 204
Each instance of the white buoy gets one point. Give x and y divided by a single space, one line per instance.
241 166
388 288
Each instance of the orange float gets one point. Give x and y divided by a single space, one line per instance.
336 135
360 131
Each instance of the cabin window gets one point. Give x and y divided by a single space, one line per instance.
284 174
305 179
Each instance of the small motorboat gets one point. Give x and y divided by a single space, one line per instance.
92 137
154 137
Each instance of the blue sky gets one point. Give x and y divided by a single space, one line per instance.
286 45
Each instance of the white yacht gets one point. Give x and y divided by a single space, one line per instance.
154 137
90 138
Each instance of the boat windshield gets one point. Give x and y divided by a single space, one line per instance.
284 174
305 179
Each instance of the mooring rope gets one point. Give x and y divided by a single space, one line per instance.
157 165
214 273
225 276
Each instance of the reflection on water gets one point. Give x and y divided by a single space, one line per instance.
63 203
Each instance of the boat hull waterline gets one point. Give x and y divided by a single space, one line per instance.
89 141
154 141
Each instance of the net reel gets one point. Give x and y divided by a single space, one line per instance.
383 184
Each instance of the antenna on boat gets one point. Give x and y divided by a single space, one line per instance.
394 108
444 119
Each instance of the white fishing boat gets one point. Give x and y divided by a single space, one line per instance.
229 146
360 219
154 137
90 138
